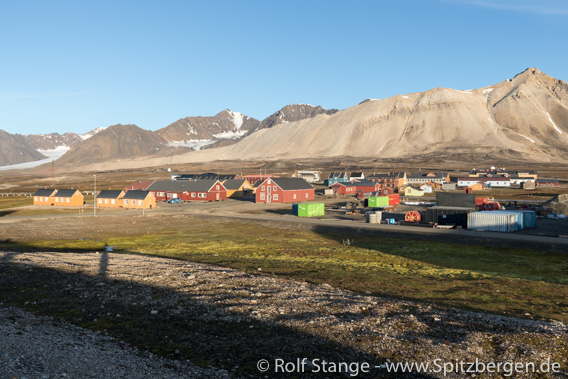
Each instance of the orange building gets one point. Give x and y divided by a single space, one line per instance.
110 199
44 196
477 186
139 199
68 198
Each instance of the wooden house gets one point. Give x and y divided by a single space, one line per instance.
479 186
354 187
44 196
546 182
391 180
188 190
139 199
284 190
238 188
335 177
425 177
68 198
110 199
411 191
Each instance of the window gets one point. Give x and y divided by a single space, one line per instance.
160 194
112 201
268 182
306 195
217 187
262 188
68 200
140 202
125 202
193 194
294 196
35 198
57 200
202 195
275 196
274 188
262 196
41 198
106 201
101 201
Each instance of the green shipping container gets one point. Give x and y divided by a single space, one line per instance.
308 209
378 201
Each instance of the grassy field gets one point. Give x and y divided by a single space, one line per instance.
523 283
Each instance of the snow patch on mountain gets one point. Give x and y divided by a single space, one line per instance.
195 144
91 133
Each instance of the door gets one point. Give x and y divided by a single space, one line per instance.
268 197
217 196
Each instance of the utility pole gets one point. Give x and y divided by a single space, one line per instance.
95 197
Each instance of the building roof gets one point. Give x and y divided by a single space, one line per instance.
257 183
136 195
109 194
65 192
358 183
138 186
427 175
291 184
356 174
44 192
390 175
206 176
233 184
202 185
334 175
547 181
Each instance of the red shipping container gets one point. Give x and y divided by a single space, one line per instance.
394 199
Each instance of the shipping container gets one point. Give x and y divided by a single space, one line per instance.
394 199
529 218
378 201
448 215
308 209
494 221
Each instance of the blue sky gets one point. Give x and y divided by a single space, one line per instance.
78 65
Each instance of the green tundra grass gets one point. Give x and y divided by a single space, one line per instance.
515 282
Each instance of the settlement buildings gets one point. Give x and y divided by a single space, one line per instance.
188 190
284 190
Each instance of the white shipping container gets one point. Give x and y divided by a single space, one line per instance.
494 221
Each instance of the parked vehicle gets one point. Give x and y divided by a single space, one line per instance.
174 200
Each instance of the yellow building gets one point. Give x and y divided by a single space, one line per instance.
238 188
139 199
410 191
44 196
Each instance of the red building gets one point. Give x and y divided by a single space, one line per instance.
257 177
198 190
352 188
284 190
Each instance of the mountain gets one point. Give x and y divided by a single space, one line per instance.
295 112
14 149
52 141
524 118
115 142
199 132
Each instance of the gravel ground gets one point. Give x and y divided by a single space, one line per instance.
41 347
287 317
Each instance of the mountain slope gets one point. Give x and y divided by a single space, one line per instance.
14 149
294 112
525 118
115 142
198 132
